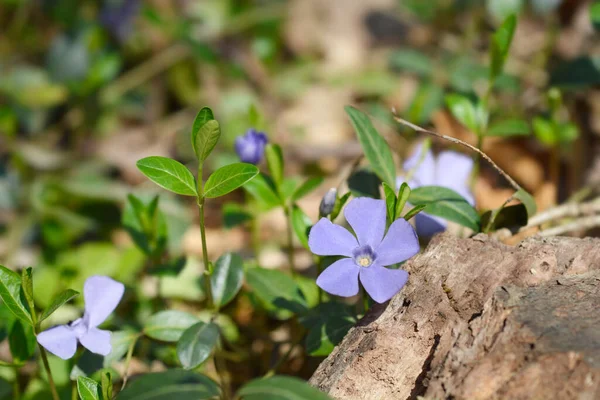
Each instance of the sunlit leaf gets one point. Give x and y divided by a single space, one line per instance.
168 174
197 343
280 388
446 203
229 178
11 294
168 326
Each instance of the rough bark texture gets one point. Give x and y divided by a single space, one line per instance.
480 320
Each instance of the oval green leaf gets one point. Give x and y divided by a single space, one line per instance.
274 157
197 343
327 325
168 174
500 45
263 192
11 294
206 139
21 341
301 224
170 385
390 201
374 145
229 178
446 203
509 127
88 389
277 291
280 388
168 326
227 278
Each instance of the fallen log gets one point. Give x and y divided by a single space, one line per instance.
480 320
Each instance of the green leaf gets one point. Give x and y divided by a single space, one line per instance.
511 217
27 284
168 326
206 139
413 61
173 384
339 204
446 203
280 388
277 291
301 223
500 45
88 389
263 192
196 344
500 9
327 325
544 131
374 145
227 278
414 211
229 178
578 73
595 14
234 214
107 386
509 127
364 183
58 301
527 200
403 195
274 157
567 132
390 201
307 187
428 99
12 294
464 111
204 115
168 174
21 341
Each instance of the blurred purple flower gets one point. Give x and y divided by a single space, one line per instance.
117 16
101 295
251 146
449 169
367 254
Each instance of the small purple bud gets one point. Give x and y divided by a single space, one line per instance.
251 146
328 202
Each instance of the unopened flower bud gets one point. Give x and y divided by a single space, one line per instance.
328 202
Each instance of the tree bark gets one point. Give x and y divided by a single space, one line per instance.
480 320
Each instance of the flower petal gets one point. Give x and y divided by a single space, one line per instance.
424 166
453 171
102 295
428 225
382 283
368 218
340 278
97 341
60 341
400 243
327 239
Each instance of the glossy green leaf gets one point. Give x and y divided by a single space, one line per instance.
200 145
527 200
197 343
390 201
327 325
277 291
206 139
21 341
500 45
227 278
88 389
229 178
106 386
27 284
274 157
168 174
168 326
376 149
414 211
263 192
403 195
307 187
280 388
463 109
12 294
509 127
300 224
446 203
173 384
58 301
339 204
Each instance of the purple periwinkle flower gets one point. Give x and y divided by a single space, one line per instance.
101 295
117 16
449 169
367 254
251 146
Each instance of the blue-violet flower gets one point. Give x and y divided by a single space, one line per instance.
449 169
367 254
101 295
251 146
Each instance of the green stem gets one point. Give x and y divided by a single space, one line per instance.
16 386
49 373
290 240
128 358
319 271
207 271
